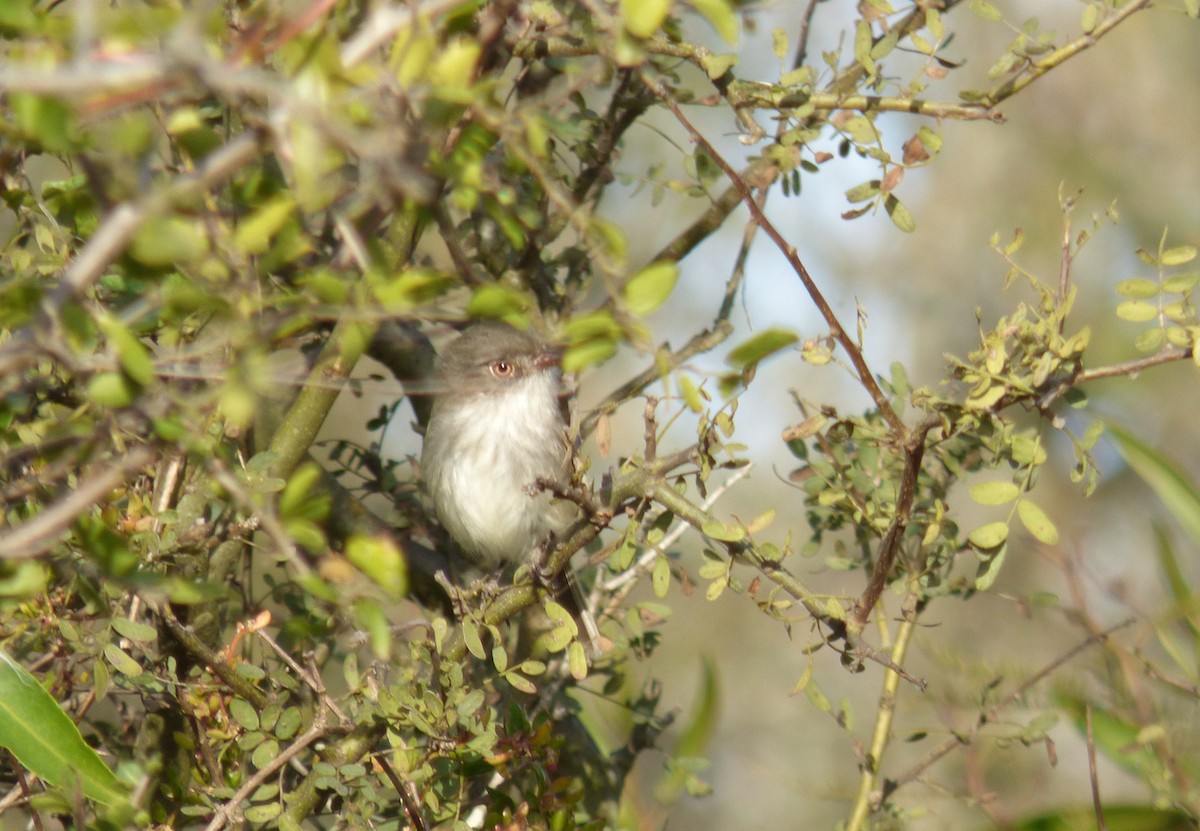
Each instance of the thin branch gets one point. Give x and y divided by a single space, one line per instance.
204 654
914 451
117 230
802 37
1130 369
699 343
757 94
992 714
32 537
865 376
1097 806
228 811
312 679
1059 56
868 793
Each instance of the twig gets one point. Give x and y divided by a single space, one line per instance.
802 39
312 679
1097 807
647 559
32 537
1059 56
265 519
225 814
868 794
118 228
865 376
993 713
1052 391
914 451
699 343
203 653
411 808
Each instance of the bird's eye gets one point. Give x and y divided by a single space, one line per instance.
502 368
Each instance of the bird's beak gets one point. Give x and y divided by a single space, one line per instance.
547 358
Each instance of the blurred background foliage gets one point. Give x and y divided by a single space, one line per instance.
940 501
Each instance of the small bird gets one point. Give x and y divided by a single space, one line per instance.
497 428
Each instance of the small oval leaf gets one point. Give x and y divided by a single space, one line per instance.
1036 522
994 493
650 287
988 536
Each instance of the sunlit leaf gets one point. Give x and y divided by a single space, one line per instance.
44 739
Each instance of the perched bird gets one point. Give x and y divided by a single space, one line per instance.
497 428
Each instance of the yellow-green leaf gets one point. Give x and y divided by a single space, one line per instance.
254 234
1178 256
134 357
45 740
901 217
725 533
381 560
994 493
989 536
760 346
1179 495
644 17
720 15
650 287
1138 288
660 577
1137 311
1036 522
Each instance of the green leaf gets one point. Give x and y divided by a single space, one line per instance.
1089 19
472 640
1179 495
380 559
986 10
989 568
1137 288
254 234
45 740
989 536
134 630
1149 340
863 192
765 343
650 287
122 661
717 65
244 713
1036 522
134 357
725 533
720 15
589 353
994 493
644 17
660 577
577 661
1178 256
165 241
111 389
47 121
563 629
499 302
265 812
1179 283
900 215
1137 311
